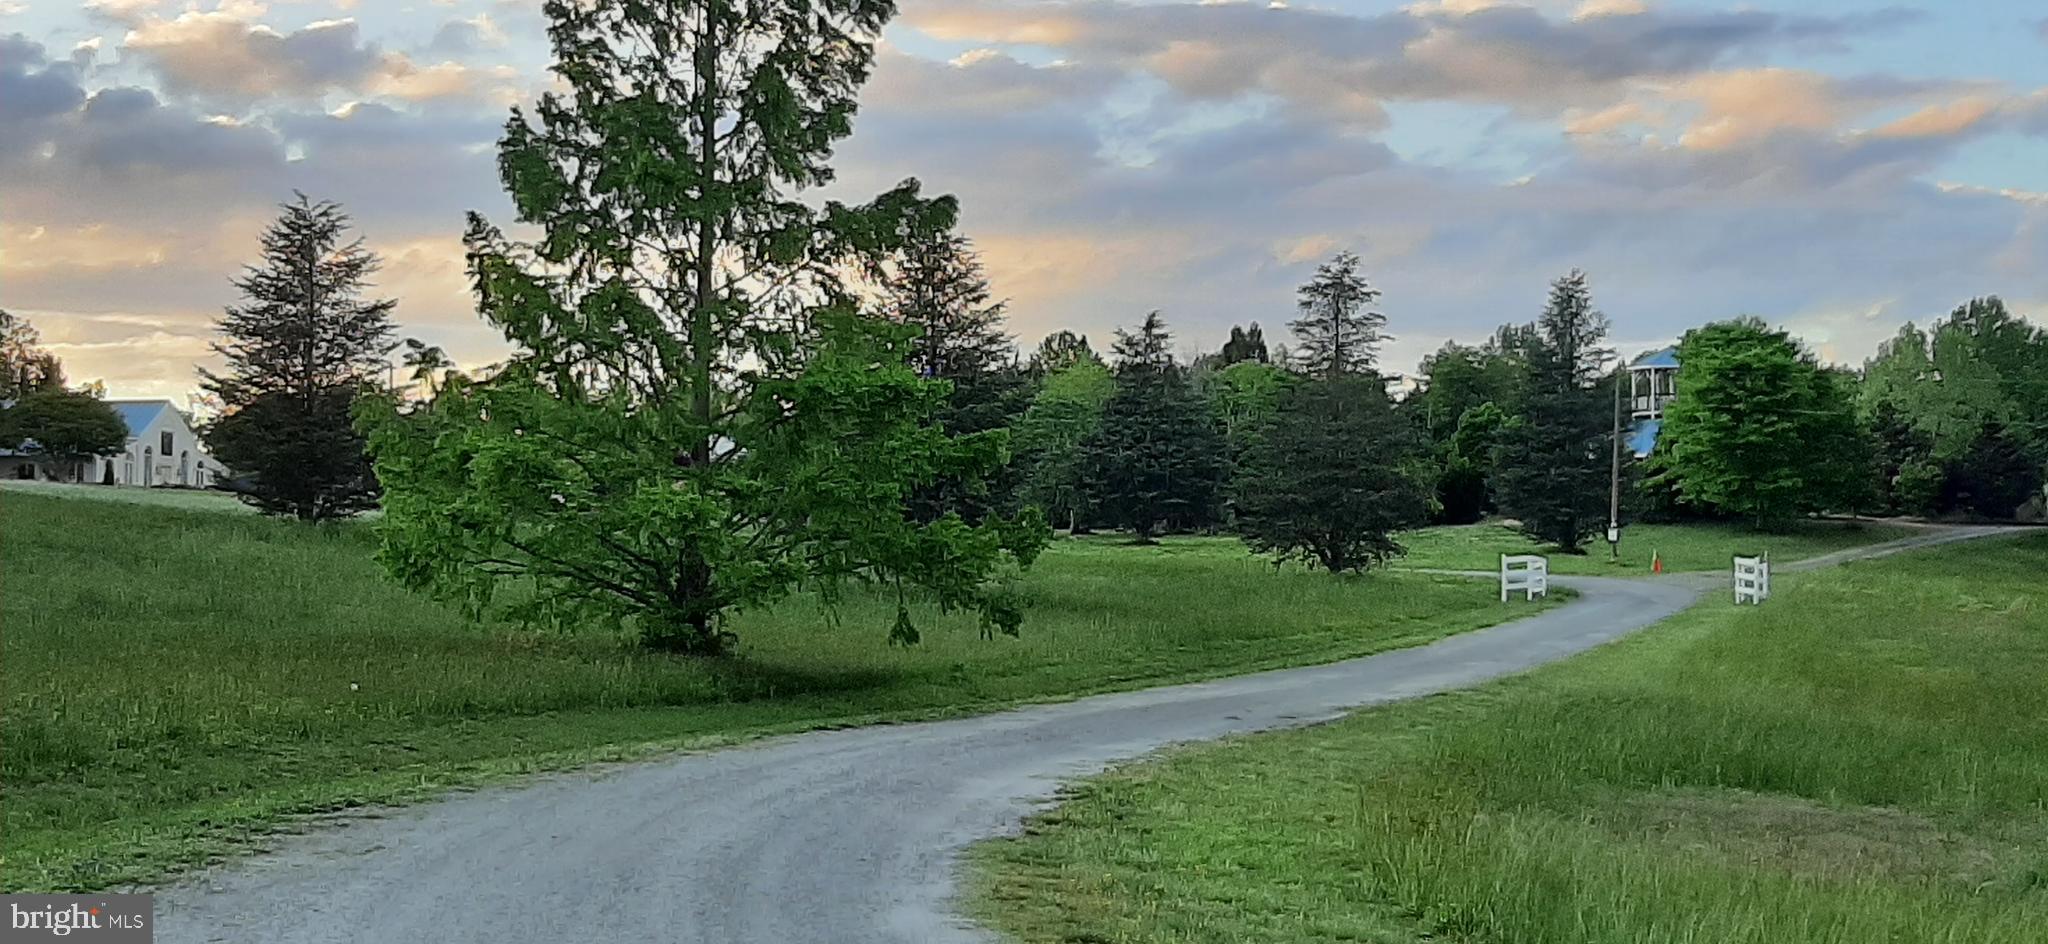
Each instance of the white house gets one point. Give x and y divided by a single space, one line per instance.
162 450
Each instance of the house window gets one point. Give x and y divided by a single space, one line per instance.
165 444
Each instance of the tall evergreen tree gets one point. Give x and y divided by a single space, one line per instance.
1245 344
1328 480
1552 467
697 418
303 344
1061 350
936 284
1331 475
1157 460
1339 331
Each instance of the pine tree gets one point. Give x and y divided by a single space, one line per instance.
1157 460
1339 331
1245 344
935 283
1329 479
1061 350
698 418
1553 466
302 346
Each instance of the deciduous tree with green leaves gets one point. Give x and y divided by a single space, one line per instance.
1759 428
66 426
697 418
1552 467
1064 413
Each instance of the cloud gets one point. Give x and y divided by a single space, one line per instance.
460 37
1339 65
224 56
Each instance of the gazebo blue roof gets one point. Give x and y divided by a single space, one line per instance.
1667 357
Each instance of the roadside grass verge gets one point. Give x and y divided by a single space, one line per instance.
1861 759
173 683
1693 546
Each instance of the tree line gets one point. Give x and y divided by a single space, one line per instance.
719 394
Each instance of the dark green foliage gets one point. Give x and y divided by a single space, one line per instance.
1552 469
1242 397
1906 482
1328 480
1458 378
25 367
1995 476
935 283
1063 415
696 420
1245 344
1759 428
305 325
1464 488
1930 396
297 455
1338 330
1157 460
1061 350
65 426
300 350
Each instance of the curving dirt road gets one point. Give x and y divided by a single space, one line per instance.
835 836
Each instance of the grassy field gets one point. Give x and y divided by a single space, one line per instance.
177 681
186 498
1683 547
1864 759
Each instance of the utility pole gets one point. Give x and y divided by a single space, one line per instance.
1614 481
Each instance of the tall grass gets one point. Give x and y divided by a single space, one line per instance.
1862 759
1694 546
174 681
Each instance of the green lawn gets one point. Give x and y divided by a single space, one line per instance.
1683 547
1863 759
191 499
177 681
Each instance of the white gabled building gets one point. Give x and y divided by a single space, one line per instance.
162 450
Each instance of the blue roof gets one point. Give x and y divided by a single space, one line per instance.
1667 357
1642 437
138 414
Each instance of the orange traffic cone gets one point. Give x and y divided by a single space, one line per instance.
1656 563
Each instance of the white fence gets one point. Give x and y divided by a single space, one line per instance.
1753 579
1525 573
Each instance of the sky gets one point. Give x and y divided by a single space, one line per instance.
1835 167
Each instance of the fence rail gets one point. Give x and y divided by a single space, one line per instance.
1528 574
1753 579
